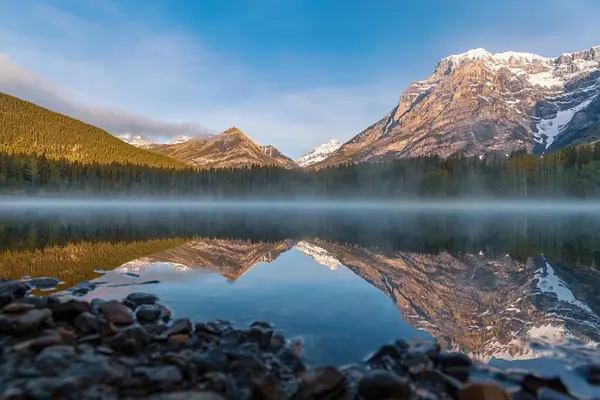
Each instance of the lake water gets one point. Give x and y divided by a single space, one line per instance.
512 288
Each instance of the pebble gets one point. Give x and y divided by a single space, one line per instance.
56 348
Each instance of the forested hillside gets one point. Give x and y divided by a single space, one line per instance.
28 128
573 172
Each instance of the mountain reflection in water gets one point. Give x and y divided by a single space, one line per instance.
505 290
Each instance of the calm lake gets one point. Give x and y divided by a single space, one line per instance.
515 288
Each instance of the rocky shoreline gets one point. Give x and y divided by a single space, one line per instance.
58 347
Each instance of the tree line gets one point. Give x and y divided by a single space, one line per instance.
572 172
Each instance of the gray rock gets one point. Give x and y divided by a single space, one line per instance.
190 395
381 384
44 283
148 313
139 298
30 320
54 360
87 323
12 290
210 361
17 308
165 377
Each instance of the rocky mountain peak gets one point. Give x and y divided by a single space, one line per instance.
478 102
319 153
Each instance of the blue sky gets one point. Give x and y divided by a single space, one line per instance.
292 73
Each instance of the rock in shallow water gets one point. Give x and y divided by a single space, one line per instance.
139 298
44 283
323 383
148 313
482 391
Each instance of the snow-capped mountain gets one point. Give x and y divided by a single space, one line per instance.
479 102
140 141
180 139
318 254
319 153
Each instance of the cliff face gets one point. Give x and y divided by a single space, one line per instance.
477 102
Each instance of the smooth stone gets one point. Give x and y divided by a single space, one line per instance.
139 298
130 340
179 338
40 342
44 283
31 320
87 323
591 372
482 391
459 373
277 342
380 384
147 313
116 313
165 313
17 308
325 382
290 359
178 326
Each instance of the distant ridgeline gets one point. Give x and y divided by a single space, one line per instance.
573 171
46 153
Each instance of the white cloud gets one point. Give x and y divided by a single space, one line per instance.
93 69
25 84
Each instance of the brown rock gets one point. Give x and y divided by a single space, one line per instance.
266 389
17 308
116 313
179 338
40 342
322 383
31 320
180 326
482 391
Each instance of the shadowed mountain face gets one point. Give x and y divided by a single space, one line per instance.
230 149
478 102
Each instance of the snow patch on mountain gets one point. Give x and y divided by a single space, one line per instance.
143 264
318 254
552 127
319 153
548 282
180 139
140 141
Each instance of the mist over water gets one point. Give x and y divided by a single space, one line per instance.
482 277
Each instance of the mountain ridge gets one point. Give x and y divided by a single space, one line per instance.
477 102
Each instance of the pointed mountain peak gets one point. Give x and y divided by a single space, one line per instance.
319 153
234 131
